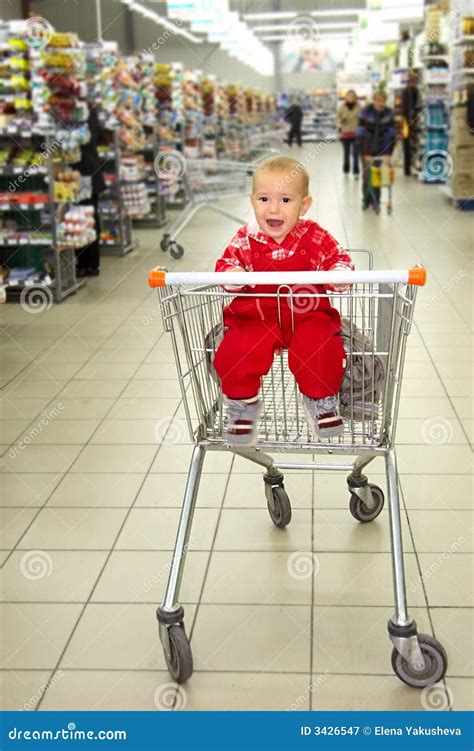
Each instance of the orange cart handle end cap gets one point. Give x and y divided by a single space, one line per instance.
417 276
157 278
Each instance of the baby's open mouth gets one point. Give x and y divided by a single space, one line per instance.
275 223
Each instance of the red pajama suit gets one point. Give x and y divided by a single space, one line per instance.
308 327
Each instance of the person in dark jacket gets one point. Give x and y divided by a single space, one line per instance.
376 137
294 116
411 107
88 258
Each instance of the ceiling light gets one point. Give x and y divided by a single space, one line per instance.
317 26
265 16
161 20
321 38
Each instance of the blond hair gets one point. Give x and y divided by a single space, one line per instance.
291 167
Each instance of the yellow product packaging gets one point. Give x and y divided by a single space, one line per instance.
375 177
15 43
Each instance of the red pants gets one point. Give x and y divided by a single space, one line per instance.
315 350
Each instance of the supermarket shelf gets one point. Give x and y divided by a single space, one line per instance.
9 242
23 206
10 170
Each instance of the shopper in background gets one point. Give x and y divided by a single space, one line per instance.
347 121
88 258
294 116
411 107
376 139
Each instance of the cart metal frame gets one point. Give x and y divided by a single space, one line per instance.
381 305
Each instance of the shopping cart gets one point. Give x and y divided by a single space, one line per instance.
204 181
377 315
376 176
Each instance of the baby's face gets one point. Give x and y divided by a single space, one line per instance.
278 202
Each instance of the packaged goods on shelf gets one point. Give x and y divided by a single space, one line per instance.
135 198
461 134
77 229
460 186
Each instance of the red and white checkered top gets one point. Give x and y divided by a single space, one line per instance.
325 253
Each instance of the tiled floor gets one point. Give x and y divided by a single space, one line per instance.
91 499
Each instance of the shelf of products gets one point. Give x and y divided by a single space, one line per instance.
460 183
116 236
40 137
433 154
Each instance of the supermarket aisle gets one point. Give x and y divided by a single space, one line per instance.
92 500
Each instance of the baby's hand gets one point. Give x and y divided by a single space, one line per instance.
340 287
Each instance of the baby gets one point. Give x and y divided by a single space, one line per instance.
280 240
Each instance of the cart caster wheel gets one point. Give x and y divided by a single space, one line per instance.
436 664
165 243
176 250
360 511
279 506
389 210
180 661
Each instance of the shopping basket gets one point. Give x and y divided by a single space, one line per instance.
377 312
377 176
204 181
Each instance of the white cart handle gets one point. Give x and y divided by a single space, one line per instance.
160 278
